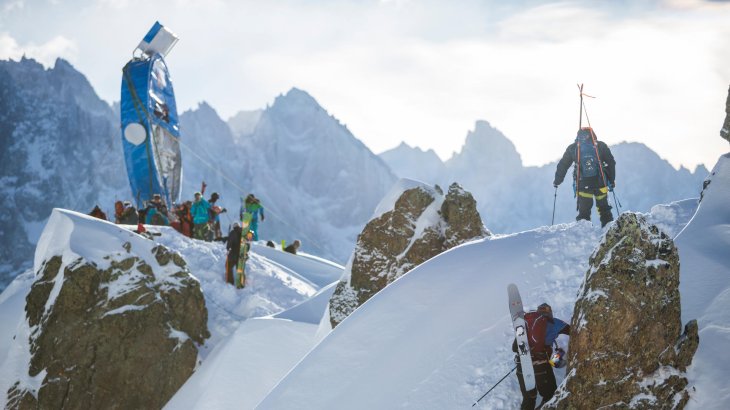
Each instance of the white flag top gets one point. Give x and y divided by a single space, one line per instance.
158 40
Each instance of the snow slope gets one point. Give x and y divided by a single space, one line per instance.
704 251
440 336
276 281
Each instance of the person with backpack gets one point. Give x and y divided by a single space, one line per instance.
233 246
98 213
294 247
156 212
253 206
542 331
215 218
129 214
200 213
594 174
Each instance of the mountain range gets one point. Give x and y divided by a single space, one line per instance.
512 197
317 181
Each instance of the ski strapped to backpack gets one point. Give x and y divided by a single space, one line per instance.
517 313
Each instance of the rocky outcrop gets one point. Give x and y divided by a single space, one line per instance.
422 223
725 131
118 334
627 348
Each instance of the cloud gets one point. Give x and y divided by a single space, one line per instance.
45 53
13 5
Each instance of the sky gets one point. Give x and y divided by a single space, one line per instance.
422 71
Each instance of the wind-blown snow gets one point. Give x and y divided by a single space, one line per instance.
704 252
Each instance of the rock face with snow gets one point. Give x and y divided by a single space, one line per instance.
627 349
725 131
423 223
117 332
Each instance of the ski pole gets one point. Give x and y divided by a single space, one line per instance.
616 201
500 381
555 198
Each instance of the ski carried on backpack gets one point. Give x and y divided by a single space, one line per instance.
517 313
240 278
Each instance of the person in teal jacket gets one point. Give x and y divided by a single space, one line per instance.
253 206
200 213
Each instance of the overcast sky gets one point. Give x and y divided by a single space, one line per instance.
422 71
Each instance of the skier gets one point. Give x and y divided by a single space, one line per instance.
293 247
542 330
98 213
156 212
254 207
215 218
118 211
594 177
129 214
234 248
200 213
725 131
186 220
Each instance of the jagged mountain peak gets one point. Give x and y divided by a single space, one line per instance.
297 99
488 146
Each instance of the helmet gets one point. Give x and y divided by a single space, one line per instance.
557 360
586 134
546 310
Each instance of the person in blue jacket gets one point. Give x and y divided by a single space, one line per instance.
253 206
200 211
156 212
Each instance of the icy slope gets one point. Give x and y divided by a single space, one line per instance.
704 251
440 336
253 359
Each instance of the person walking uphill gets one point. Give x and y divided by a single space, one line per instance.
200 213
233 246
542 330
594 174
253 206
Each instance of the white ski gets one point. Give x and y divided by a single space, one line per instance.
523 347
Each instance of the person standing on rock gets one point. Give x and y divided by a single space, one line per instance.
200 213
594 174
542 330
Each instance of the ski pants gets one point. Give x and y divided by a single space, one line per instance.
255 229
544 381
585 203
200 231
231 266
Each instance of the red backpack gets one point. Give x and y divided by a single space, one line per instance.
537 324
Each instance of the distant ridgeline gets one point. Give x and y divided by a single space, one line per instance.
317 181
513 198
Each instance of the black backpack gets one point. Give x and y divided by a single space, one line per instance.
585 154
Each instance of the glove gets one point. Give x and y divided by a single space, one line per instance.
556 183
262 218
611 185
224 210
